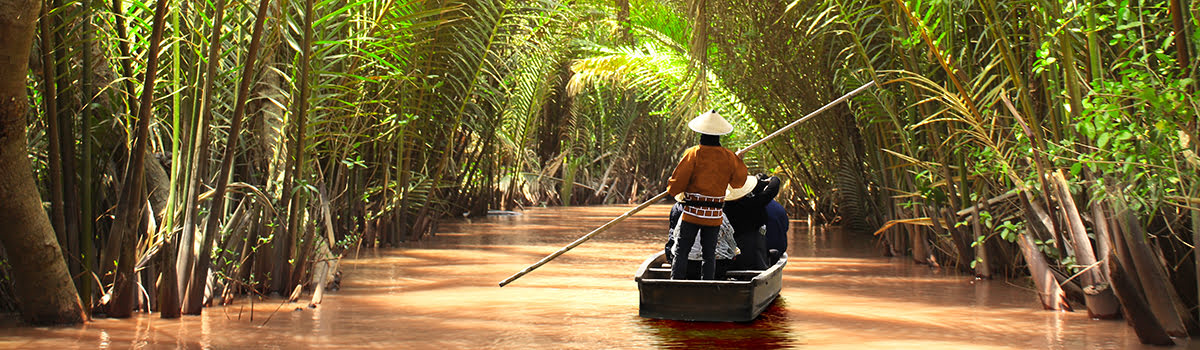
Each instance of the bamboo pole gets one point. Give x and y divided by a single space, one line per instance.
647 203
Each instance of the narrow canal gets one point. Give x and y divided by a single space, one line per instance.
442 293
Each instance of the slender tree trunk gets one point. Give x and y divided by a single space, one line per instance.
86 226
920 245
41 281
118 13
1041 217
1100 223
1070 72
962 240
1160 292
1138 314
200 157
295 166
131 207
404 178
1196 240
68 102
262 264
983 265
1100 303
623 21
168 279
400 218
1182 56
324 264
50 101
1095 73
197 285
1052 296
303 253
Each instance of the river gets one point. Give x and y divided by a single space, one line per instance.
442 293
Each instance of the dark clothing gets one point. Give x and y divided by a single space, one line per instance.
748 216
676 212
753 256
723 265
710 140
777 227
725 248
708 244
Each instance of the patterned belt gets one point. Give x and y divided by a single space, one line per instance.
704 207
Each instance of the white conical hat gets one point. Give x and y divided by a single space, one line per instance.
733 194
710 123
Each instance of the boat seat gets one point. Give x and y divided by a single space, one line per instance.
658 269
743 272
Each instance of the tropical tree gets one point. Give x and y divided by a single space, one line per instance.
43 285
230 148
994 129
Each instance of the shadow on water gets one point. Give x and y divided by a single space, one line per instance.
771 330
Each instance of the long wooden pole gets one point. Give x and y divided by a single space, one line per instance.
647 203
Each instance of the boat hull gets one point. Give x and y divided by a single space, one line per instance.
740 299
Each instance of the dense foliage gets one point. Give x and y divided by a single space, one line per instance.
999 133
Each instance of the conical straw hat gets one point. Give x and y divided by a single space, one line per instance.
710 123
733 194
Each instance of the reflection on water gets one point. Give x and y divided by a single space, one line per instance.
441 293
770 331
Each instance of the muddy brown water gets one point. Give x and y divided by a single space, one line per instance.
441 293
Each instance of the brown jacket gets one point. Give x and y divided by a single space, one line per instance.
707 170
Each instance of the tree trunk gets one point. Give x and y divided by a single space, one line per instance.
1052 296
1100 304
1196 241
625 33
130 213
67 102
50 101
983 268
1160 292
41 282
199 163
1137 313
86 227
1103 244
962 241
324 264
295 163
1100 223
1181 38
920 245
197 285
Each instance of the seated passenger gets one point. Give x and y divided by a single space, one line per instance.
726 246
777 228
747 215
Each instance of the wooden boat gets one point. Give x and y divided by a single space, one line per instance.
741 297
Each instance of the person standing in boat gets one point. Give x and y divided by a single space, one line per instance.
747 212
702 176
726 251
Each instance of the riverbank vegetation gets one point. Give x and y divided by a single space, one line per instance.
186 152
